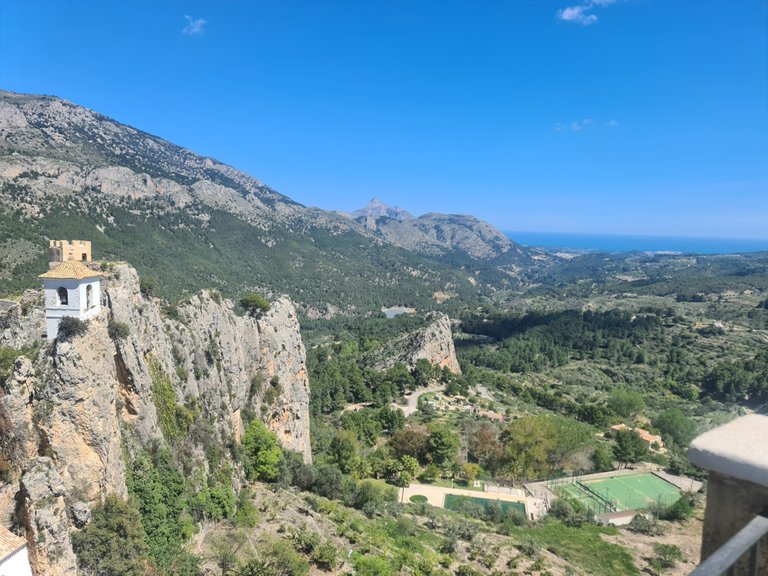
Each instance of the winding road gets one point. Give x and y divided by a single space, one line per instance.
413 400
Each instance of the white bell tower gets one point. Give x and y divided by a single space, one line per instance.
71 289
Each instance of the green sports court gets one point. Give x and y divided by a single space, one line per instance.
619 493
634 491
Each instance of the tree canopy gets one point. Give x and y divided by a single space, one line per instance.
261 453
113 542
254 304
674 425
629 448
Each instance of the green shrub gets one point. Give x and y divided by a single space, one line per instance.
7 359
224 550
118 330
246 515
373 566
306 541
449 545
602 459
675 426
273 391
113 542
373 493
257 381
430 473
171 311
276 558
159 492
175 419
570 512
148 286
641 524
254 304
325 556
69 326
666 557
261 453
213 503
680 510
328 482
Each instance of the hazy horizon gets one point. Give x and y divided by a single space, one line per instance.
636 243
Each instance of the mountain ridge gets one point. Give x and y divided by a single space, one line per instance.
438 234
194 222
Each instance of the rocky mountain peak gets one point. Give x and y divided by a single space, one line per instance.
377 209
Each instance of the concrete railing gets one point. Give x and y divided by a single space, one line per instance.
736 457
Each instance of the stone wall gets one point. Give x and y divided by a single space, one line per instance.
737 491
731 504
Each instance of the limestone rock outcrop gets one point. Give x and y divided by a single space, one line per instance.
432 342
68 415
22 322
44 513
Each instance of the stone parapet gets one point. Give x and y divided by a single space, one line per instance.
737 460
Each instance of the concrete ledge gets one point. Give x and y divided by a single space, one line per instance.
738 449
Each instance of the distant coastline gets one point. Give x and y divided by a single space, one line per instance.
628 243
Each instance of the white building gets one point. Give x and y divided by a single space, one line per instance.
71 289
14 559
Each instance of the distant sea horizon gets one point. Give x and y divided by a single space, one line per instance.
630 243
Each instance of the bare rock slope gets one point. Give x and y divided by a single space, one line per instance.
433 342
440 234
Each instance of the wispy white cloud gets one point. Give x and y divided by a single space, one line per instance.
573 126
194 26
577 14
583 13
584 124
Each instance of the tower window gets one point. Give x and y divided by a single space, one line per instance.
89 296
63 296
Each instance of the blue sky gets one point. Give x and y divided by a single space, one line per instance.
600 116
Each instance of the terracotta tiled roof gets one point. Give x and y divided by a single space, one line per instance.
9 543
72 270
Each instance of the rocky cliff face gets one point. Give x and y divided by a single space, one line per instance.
68 415
432 342
22 322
